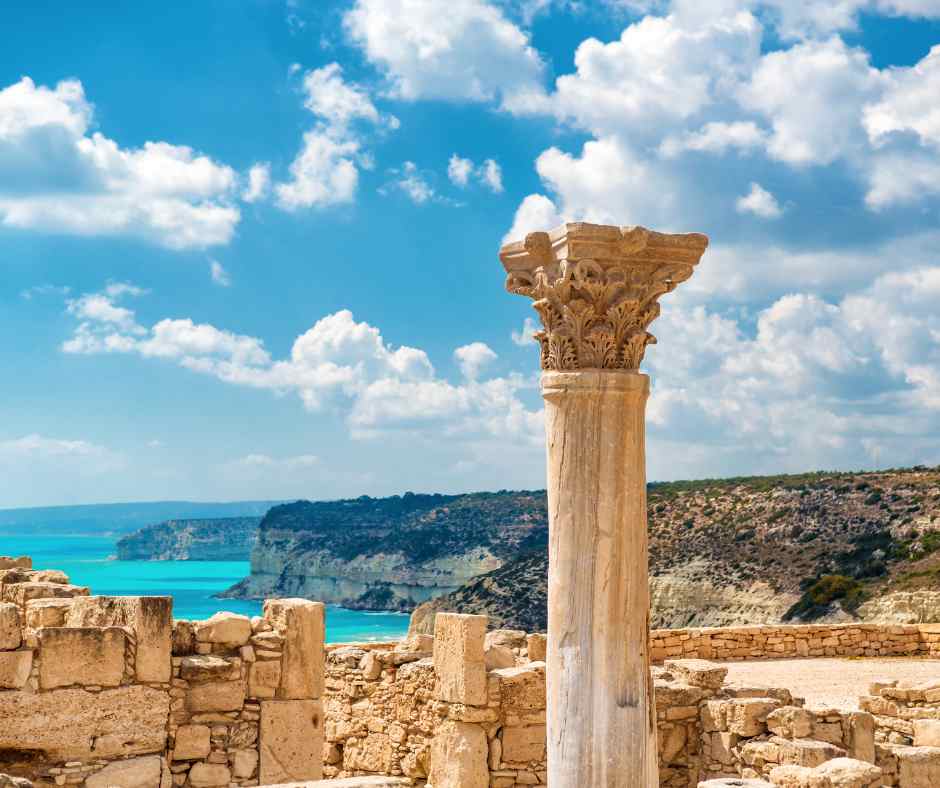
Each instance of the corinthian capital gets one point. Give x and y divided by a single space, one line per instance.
597 288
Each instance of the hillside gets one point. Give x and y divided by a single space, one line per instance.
218 539
753 550
390 553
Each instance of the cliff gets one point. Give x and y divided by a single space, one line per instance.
220 539
390 553
813 547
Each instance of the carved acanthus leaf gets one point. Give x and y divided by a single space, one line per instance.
596 289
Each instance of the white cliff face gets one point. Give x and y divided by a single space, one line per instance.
903 607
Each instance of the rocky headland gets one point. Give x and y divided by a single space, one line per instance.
217 539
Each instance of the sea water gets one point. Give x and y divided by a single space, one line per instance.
88 561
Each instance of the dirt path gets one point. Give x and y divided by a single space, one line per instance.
829 682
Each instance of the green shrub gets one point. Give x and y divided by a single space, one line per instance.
822 593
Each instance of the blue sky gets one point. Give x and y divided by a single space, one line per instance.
249 249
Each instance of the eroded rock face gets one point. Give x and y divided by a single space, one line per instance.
133 773
14 668
9 626
72 724
291 741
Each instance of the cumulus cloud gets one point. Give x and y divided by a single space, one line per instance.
527 335
338 363
489 173
218 273
259 183
326 170
536 213
57 176
760 202
471 52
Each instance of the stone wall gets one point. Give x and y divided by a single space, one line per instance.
111 691
808 640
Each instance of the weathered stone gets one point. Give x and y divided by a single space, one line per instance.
9 626
697 672
49 576
849 773
216 696
209 667
9 781
291 741
192 743
523 744
790 722
370 666
927 733
149 617
748 716
209 775
511 638
918 767
264 679
301 623
183 638
81 655
416 643
859 735
371 753
48 612
459 663
230 629
244 763
496 657
806 752
537 647
73 724
19 562
522 687
22 593
459 755
735 782
144 772
14 668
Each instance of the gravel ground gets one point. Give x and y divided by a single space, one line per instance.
829 682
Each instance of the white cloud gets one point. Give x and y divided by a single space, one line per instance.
536 213
338 363
468 52
29 293
326 170
56 177
474 358
218 273
459 170
489 173
39 446
909 103
259 183
759 202
812 94
527 335
413 183
715 137
897 178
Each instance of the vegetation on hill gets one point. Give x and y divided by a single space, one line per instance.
217 539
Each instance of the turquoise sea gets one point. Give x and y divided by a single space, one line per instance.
85 558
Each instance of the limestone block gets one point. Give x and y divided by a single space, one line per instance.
523 687
496 657
672 745
216 696
859 735
421 644
697 672
522 744
230 629
849 773
537 646
511 638
355 782
927 733
48 612
790 776
10 636
149 617
49 576
459 663
73 724
81 655
244 763
748 716
918 767
209 775
735 782
721 747
21 593
14 668
370 666
9 781
20 562
459 754
209 667
264 679
192 743
301 623
183 638
291 741
371 753
144 772
806 752
790 722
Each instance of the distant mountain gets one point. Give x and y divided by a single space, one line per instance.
219 539
390 553
809 547
122 517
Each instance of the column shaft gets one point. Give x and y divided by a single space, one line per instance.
601 716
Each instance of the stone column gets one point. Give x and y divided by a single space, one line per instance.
596 289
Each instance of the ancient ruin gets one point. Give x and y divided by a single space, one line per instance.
596 289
